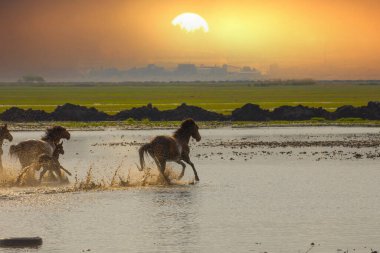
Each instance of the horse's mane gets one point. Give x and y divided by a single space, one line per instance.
51 133
3 130
184 128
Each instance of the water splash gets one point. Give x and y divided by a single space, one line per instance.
7 178
130 178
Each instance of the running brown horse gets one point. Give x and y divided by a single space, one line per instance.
4 135
29 151
173 148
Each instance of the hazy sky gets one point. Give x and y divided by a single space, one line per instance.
322 39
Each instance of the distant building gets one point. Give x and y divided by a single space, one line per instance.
182 72
186 69
150 72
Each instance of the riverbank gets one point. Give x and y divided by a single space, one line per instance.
146 124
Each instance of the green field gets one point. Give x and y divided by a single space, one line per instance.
219 97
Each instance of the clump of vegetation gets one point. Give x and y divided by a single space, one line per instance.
318 119
351 120
130 121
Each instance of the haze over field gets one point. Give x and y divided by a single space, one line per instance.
64 40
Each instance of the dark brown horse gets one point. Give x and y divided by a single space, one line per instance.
173 148
29 151
4 135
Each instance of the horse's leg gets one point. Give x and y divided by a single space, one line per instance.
59 174
24 170
186 158
161 164
65 170
162 169
1 157
183 168
1 161
158 163
44 170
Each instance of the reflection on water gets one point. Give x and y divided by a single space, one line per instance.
279 200
174 213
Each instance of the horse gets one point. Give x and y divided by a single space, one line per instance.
4 135
48 163
173 148
28 151
52 163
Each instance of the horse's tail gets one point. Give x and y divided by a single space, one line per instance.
142 151
14 150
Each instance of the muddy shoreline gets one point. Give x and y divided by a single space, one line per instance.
141 125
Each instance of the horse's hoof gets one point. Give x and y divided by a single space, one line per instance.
197 179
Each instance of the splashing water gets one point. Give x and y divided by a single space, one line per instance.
119 180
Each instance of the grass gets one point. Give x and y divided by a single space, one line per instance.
219 97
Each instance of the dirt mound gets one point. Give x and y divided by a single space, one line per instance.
185 111
144 112
16 114
370 111
249 112
299 112
70 112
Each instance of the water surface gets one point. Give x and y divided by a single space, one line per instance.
261 199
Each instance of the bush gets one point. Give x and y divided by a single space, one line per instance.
130 121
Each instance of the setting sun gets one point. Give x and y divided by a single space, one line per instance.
190 22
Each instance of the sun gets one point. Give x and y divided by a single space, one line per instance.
190 22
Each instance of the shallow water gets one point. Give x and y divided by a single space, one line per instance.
249 199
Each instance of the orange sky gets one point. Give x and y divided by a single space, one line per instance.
318 39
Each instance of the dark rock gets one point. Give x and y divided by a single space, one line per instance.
21 242
250 112
70 112
15 114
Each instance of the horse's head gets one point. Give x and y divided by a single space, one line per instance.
56 133
192 128
5 134
59 148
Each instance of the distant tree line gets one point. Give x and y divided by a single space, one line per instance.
31 79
